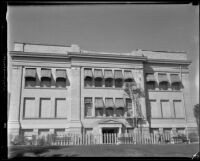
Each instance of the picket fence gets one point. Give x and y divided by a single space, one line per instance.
99 139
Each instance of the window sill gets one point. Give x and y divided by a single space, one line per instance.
64 88
164 90
168 118
103 88
103 117
43 118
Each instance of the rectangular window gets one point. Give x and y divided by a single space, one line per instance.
27 133
59 131
129 107
30 110
47 111
88 106
180 130
178 109
61 108
155 109
154 130
43 132
165 109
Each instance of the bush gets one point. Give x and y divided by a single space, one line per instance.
193 137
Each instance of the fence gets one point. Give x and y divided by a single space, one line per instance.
98 139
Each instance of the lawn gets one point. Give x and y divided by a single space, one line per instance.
149 150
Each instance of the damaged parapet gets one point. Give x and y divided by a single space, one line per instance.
40 48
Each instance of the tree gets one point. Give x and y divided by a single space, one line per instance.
196 115
134 92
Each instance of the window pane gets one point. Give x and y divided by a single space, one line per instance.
155 109
151 85
176 86
163 85
47 111
61 108
45 82
118 83
98 82
88 82
30 108
61 82
30 82
178 106
109 112
88 106
109 82
120 112
99 112
165 109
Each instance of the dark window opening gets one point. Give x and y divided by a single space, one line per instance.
151 85
88 82
109 111
99 112
120 112
61 82
30 82
118 83
176 86
163 85
98 82
108 82
45 82
88 106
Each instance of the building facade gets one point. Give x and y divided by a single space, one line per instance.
61 89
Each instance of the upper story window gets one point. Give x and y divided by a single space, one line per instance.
108 77
163 81
118 79
30 77
61 78
88 106
99 107
175 82
128 77
151 81
45 77
119 104
129 106
98 78
88 77
109 104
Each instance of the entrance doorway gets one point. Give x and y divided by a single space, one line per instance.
109 135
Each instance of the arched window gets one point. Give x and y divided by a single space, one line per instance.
61 82
120 112
163 85
30 82
88 82
98 82
176 86
45 82
108 82
109 111
118 83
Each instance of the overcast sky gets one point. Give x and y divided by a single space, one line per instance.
111 28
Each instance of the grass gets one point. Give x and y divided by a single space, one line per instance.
149 150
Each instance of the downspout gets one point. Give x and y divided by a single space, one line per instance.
80 102
184 105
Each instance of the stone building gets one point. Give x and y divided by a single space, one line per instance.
59 89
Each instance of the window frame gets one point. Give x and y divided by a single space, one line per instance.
91 107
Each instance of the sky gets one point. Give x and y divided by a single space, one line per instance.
111 28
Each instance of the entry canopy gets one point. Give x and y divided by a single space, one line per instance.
98 73
108 74
88 73
46 73
109 102
175 78
119 102
150 77
128 75
99 103
162 78
118 74
60 73
30 72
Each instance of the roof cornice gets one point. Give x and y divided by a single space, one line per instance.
106 56
169 61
